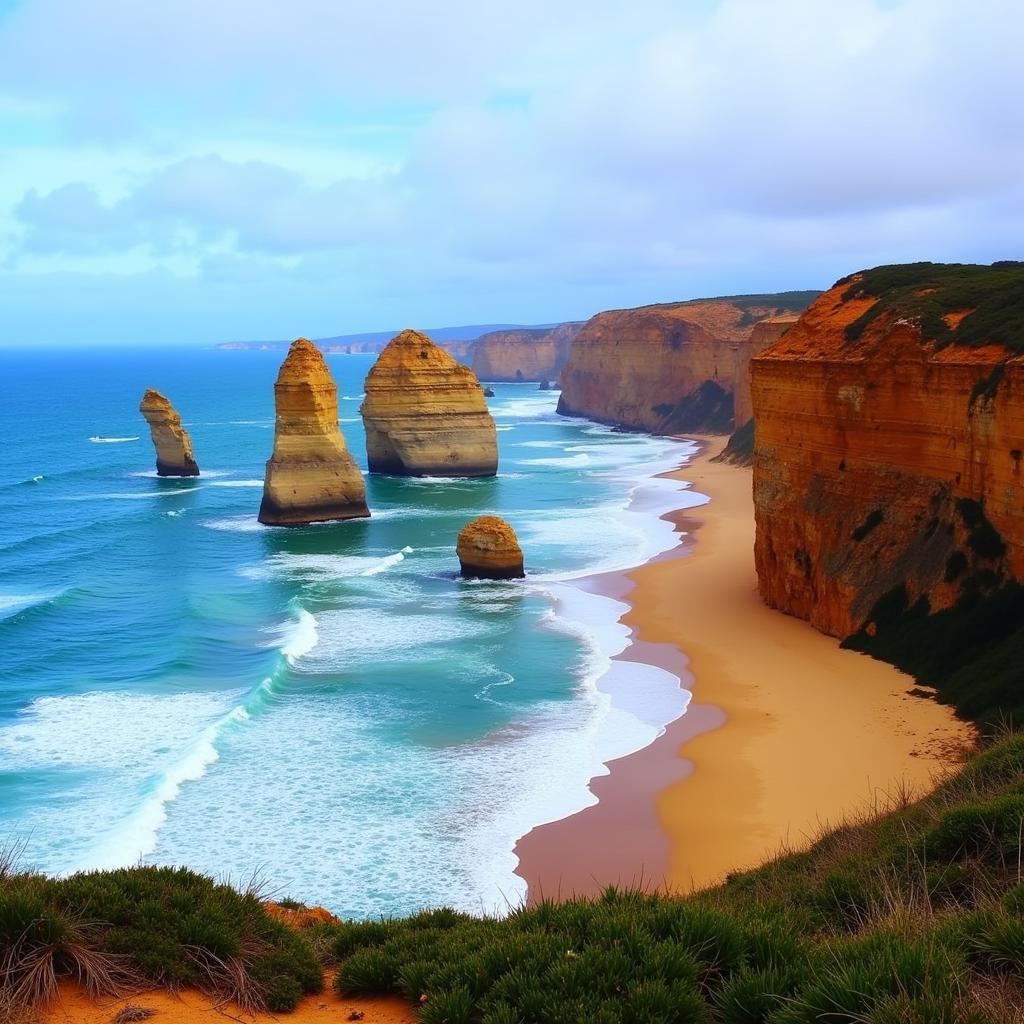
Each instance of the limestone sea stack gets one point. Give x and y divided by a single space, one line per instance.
425 414
488 549
311 476
170 439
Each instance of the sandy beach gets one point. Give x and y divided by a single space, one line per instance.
786 732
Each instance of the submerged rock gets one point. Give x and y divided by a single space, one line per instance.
311 476
170 439
488 549
425 414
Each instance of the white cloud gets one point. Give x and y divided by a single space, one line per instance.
559 157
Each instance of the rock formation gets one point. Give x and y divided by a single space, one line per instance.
489 550
425 414
170 439
668 368
527 354
311 476
889 432
766 332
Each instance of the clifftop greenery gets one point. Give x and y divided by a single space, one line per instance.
992 297
913 916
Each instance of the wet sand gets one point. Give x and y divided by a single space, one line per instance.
785 734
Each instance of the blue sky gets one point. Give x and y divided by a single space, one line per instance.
192 172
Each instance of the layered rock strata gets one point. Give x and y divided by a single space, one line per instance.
311 475
887 461
489 549
669 368
529 354
425 414
171 440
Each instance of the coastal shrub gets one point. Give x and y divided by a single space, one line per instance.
165 926
993 828
930 292
740 449
750 996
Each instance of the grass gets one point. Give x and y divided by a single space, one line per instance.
115 931
929 292
913 914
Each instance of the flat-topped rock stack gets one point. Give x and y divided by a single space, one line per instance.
488 549
425 414
170 439
311 476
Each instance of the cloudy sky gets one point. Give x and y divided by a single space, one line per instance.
194 171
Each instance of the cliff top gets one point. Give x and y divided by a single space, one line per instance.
154 400
953 303
304 360
412 350
729 317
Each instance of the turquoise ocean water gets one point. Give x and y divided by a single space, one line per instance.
329 707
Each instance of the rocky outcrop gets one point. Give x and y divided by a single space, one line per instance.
425 414
170 439
889 439
766 332
311 476
670 368
529 354
488 549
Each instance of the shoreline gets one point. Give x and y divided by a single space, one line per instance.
761 760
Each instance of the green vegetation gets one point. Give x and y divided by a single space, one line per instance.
913 916
740 449
119 930
972 653
929 292
755 307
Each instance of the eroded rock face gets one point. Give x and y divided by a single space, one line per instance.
669 368
488 549
523 355
887 465
311 476
766 332
170 439
425 414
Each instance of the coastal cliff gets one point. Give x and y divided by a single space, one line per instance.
425 414
530 354
171 440
887 466
311 476
666 368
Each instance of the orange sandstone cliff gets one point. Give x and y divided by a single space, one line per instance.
889 432
530 354
666 368
311 476
425 414
488 549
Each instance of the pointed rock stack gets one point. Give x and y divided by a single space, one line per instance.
425 414
170 439
488 549
311 476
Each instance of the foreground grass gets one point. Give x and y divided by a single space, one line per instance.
915 916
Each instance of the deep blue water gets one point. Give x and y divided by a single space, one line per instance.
329 706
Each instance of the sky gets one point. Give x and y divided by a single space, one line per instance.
193 172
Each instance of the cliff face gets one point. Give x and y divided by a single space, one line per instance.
311 476
887 465
669 368
765 333
425 414
523 355
170 439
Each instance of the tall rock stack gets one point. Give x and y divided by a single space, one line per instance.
311 476
170 439
425 414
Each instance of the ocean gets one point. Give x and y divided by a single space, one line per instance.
329 709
